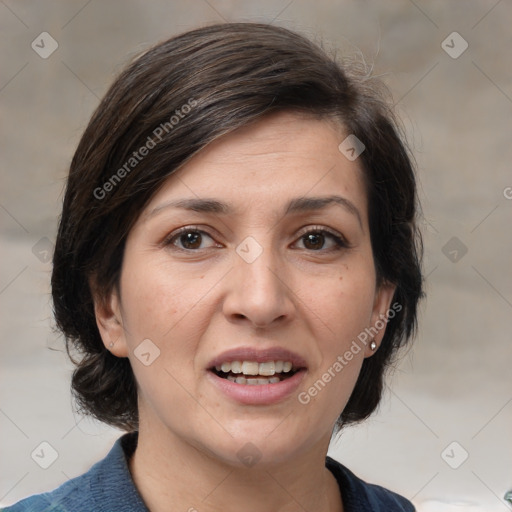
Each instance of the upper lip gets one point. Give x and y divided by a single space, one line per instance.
258 355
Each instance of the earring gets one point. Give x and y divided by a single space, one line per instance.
373 345
111 345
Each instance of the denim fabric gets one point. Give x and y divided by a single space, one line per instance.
358 496
108 487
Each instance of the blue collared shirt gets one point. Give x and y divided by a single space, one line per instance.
108 487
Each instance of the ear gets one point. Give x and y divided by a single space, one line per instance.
382 303
110 321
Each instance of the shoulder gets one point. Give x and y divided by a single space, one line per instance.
69 496
359 495
105 487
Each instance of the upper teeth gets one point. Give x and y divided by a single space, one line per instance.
255 368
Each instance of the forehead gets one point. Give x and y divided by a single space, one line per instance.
283 156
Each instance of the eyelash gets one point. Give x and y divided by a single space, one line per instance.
340 242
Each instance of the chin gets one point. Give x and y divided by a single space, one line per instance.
265 443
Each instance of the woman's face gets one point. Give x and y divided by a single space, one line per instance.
247 273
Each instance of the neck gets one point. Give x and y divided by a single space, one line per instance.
168 471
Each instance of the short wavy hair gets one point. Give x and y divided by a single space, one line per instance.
229 75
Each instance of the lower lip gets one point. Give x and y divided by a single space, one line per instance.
258 394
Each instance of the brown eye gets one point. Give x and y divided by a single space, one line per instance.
188 239
315 240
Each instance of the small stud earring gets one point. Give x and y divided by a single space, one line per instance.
111 345
373 345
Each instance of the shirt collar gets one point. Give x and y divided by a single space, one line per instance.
112 483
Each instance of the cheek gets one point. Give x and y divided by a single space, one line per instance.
168 308
343 304
165 309
156 300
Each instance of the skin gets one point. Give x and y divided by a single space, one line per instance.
196 303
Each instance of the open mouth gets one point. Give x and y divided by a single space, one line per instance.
254 373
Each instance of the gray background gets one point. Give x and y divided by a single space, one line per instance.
453 386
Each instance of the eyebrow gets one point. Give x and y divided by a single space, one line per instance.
296 205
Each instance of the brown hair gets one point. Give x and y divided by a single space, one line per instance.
177 97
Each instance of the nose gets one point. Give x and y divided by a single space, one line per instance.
258 291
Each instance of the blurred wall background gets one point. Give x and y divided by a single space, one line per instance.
442 436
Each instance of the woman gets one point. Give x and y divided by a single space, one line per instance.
237 264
